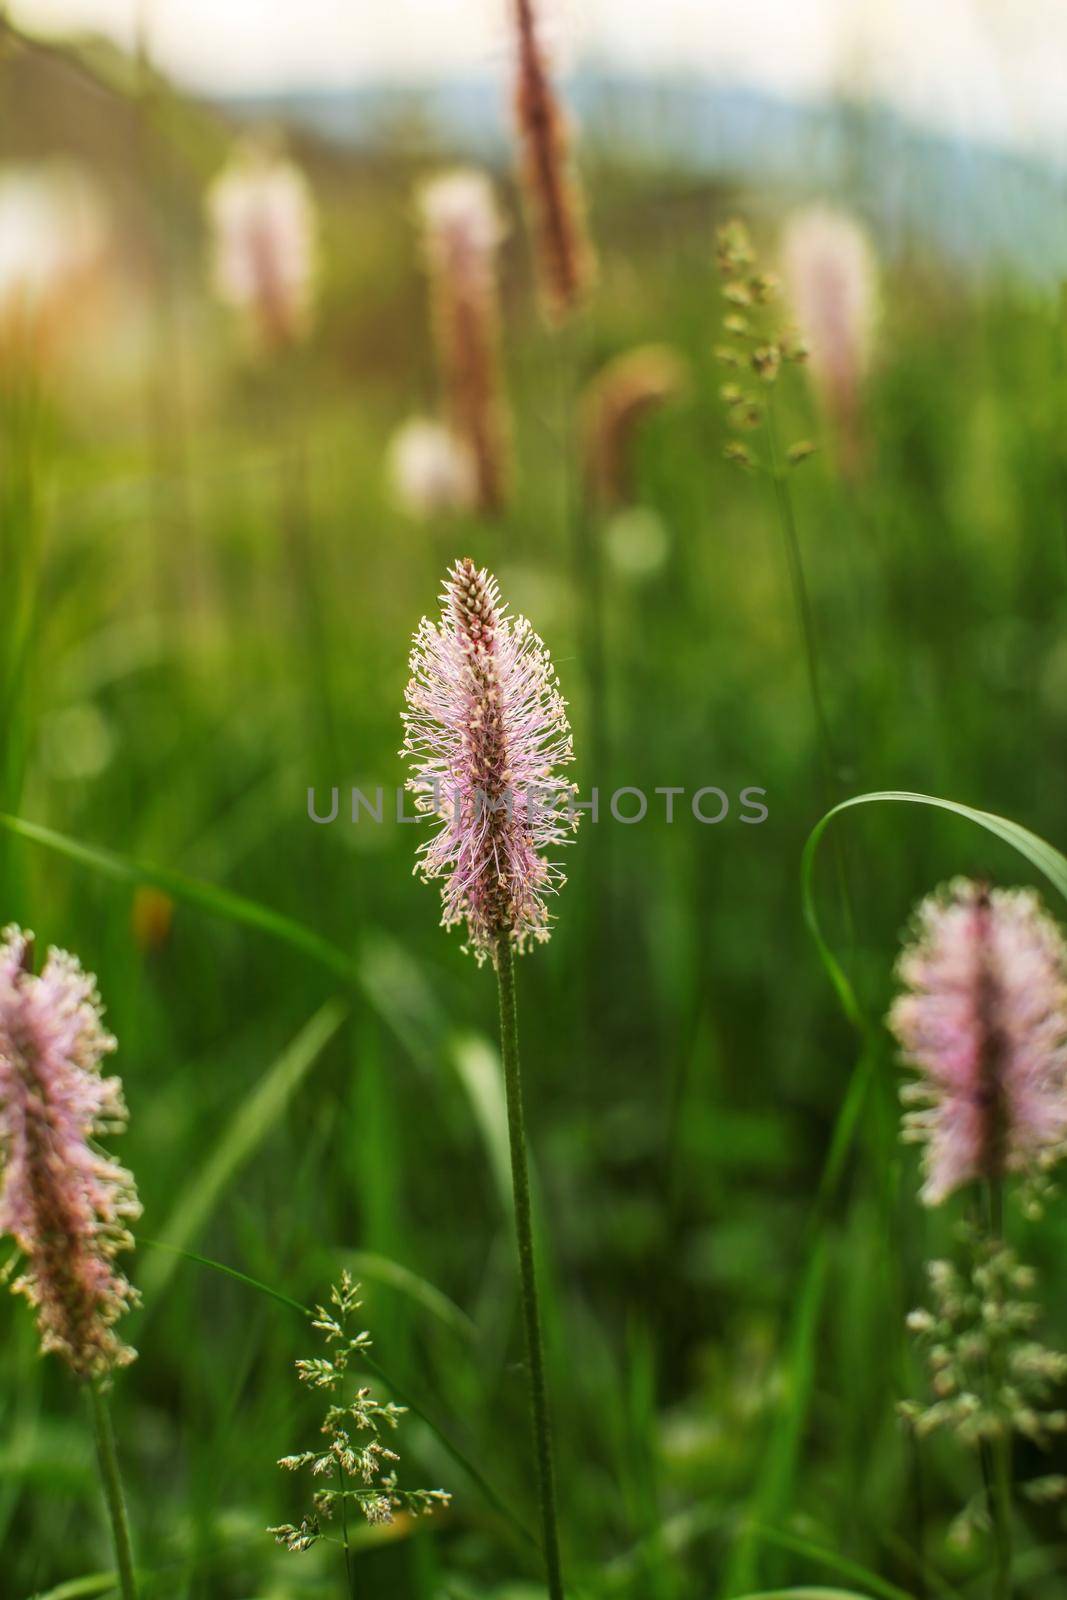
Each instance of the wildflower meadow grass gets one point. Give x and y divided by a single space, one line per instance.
703 540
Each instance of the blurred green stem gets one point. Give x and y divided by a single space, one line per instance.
806 618
996 1463
112 1486
801 597
520 1179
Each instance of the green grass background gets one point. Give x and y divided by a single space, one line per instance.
207 605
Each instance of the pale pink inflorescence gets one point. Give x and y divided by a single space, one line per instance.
983 1020
462 233
831 277
263 221
486 732
66 1204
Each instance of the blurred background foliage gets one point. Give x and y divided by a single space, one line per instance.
208 601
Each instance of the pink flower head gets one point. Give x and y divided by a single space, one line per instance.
463 230
983 1020
485 730
65 1203
831 277
263 220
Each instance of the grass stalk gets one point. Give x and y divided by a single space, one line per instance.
343 1484
802 601
520 1179
996 1464
806 620
111 1483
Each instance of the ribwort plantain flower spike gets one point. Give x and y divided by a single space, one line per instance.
67 1205
554 200
629 388
831 275
486 731
983 1020
463 230
265 256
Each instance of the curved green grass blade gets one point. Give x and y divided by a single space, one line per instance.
255 1116
382 972
478 1064
1030 846
854 1571
96 1583
806 1594
369 1267
192 891
229 1272
357 973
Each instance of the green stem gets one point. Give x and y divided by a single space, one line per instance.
342 1480
997 1468
520 1178
806 618
801 597
112 1486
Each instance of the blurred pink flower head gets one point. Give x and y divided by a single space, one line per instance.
554 198
983 1020
66 1204
485 731
831 277
264 228
430 471
462 232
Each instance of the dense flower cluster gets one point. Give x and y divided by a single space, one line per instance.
990 1376
66 1204
983 1020
486 732
364 1471
263 221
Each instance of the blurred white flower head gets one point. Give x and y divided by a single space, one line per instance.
460 213
53 238
831 277
264 236
430 471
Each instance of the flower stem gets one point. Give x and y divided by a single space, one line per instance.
520 1178
806 619
344 1528
112 1486
801 599
998 1467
